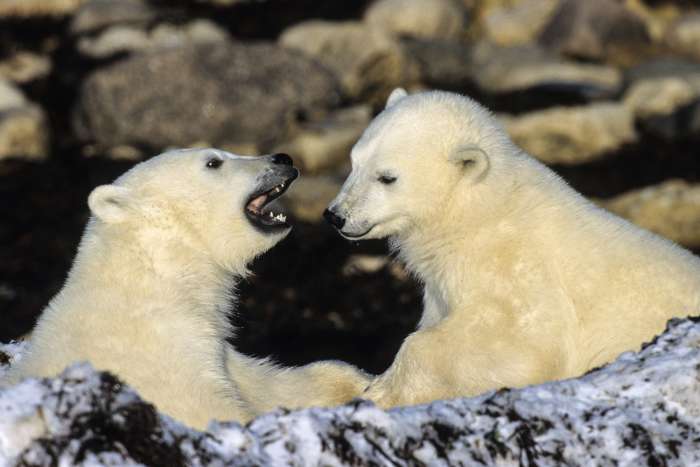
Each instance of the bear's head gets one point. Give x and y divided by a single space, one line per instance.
211 201
415 158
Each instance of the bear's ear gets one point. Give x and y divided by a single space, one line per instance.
110 203
395 96
472 160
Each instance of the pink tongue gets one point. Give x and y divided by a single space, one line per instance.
257 203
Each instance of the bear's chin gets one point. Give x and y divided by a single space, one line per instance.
269 220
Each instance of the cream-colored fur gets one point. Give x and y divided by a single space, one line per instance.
266 386
525 280
148 296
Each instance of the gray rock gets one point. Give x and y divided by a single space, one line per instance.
99 14
509 69
665 67
441 64
10 96
671 209
661 96
364 264
326 144
682 123
517 23
24 133
368 61
114 40
33 8
218 93
683 36
23 66
642 409
573 135
428 19
119 39
523 70
23 128
595 29
311 195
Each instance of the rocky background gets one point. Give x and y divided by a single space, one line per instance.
606 92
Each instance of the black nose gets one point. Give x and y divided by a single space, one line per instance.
281 158
334 219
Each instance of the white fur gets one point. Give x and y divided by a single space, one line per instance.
525 280
148 296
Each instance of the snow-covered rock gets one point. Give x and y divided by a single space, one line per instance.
643 409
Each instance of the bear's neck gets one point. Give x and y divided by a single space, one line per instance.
150 278
484 228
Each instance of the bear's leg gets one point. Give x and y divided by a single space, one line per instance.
439 363
265 386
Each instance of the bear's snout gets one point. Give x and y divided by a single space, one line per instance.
334 219
282 159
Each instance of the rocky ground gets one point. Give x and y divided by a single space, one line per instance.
643 409
606 92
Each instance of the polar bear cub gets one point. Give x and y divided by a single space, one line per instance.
148 296
524 279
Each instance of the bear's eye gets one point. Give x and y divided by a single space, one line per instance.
386 179
214 163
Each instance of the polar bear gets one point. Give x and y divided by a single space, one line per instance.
525 280
148 296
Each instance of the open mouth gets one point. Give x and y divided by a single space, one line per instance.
263 213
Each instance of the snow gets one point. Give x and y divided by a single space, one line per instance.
13 351
643 409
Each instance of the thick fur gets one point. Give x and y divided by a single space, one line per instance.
525 280
148 296
266 386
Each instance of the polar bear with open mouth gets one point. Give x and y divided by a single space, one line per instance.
149 294
524 279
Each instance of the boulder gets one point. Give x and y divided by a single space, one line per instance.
427 19
120 39
683 36
662 67
10 96
95 15
217 93
661 96
311 195
24 133
517 23
642 409
23 67
663 93
38 8
671 209
681 124
573 135
509 69
441 64
368 61
23 128
596 30
325 145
